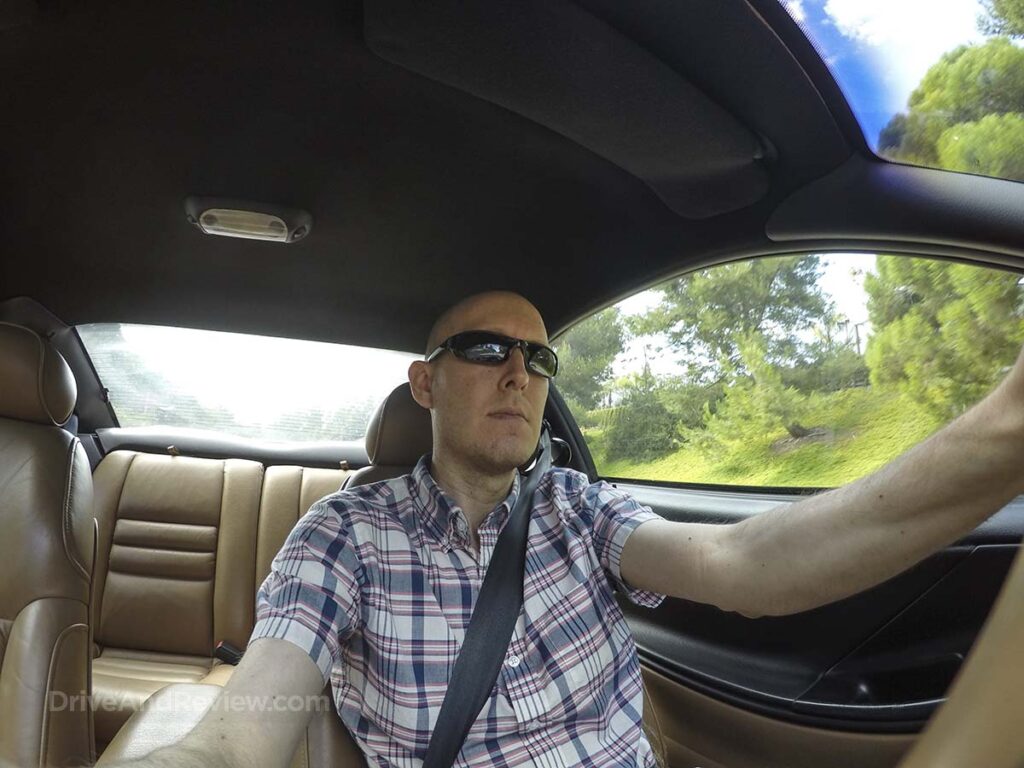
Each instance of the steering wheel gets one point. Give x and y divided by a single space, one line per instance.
982 722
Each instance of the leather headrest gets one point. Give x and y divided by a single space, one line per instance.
36 384
399 432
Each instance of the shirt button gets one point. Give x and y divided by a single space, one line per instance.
513 661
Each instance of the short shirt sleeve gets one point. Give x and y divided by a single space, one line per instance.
614 515
311 597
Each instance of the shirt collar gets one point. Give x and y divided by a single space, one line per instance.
440 514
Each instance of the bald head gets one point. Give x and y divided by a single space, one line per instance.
486 418
479 312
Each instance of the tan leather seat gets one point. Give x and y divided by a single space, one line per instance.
46 558
288 493
175 574
398 434
159 597
185 560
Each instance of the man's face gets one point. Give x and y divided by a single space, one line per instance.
488 416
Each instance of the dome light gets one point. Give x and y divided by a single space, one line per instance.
251 221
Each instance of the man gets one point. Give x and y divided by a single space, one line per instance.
374 588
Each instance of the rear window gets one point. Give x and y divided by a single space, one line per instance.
240 384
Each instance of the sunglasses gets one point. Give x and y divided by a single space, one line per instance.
486 348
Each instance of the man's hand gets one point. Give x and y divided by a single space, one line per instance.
258 719
838 543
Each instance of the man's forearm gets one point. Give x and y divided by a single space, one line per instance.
256 721
841 542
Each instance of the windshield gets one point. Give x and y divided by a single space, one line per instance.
250 386
937 84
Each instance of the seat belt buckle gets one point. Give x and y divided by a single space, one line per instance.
228 653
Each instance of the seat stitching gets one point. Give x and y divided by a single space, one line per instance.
43 741
380 430
39 376
185 579
67 533
216 551
165 548
5 632
39 599
98 598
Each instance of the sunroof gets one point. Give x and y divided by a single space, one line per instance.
938 84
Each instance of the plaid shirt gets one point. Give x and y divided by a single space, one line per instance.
377 584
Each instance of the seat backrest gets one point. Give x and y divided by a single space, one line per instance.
175 565
398 435
46 560
288 493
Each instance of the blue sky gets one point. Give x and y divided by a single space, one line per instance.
879 50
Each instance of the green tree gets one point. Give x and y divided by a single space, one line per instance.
943 332
993 146
950 106
757 405
1002 17
643 429
832 360
830 369
707 312
687 402
585 356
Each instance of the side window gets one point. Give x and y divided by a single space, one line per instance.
800 371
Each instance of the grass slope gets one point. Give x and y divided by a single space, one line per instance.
869 429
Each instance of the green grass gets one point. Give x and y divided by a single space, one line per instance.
870 428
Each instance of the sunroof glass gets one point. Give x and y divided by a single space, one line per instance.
937 84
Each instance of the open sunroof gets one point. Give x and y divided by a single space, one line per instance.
938 84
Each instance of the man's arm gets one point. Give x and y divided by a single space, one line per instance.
838 543
257 720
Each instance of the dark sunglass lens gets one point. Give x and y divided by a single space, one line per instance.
486 352
543 361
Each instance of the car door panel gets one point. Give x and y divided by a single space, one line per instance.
702 731
875 663
769 663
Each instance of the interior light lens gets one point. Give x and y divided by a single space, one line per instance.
246 224
248 219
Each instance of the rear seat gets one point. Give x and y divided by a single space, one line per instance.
176 555
185 544
288 493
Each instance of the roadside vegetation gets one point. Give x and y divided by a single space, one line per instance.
967 113
773 385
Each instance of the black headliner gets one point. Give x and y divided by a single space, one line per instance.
421 193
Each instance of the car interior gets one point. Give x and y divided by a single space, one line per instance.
575 152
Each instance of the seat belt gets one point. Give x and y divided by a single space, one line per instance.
490 627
